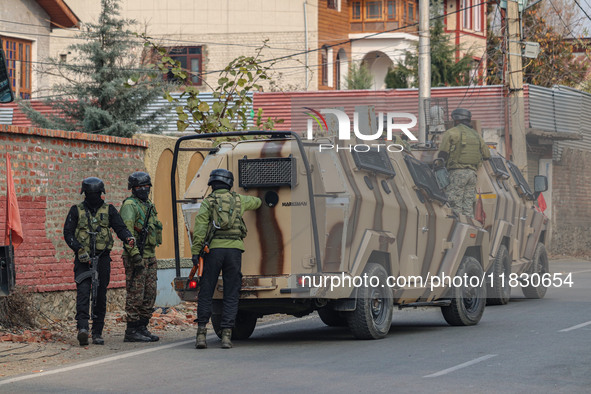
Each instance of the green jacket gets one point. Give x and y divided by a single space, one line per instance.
204 217
465 147
133 212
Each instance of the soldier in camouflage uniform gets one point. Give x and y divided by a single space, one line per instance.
225 254
93 215
463 150
140 266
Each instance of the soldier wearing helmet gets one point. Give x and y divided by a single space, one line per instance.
141 218
463 150
219 223
93 216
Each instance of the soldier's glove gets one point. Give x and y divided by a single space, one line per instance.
130 242
83 256
136 259
195 259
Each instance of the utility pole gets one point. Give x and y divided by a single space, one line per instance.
424 67
514 78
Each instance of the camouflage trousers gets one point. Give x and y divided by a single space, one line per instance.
461 191
140 284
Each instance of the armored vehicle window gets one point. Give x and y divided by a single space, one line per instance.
270 172
499 167
424 178
374 160
520 180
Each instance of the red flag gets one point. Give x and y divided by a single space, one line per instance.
479 213
13 217
542 202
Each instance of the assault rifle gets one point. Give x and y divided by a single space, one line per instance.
93 272
143 232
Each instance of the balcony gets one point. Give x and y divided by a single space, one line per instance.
383 15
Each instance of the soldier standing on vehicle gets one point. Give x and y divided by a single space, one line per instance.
462 149
141 218
87 233
219 223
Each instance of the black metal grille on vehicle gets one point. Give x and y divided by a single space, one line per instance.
374 160
271 172
424 178
499 167
522 184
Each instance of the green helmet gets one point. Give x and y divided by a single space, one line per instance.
461 114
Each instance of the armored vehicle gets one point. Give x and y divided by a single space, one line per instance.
515 225
517 229
348 232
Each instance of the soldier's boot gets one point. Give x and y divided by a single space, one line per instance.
133 335
200 342
226 338
82 336
143 329
97 333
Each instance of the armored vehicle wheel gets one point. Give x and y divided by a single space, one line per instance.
536 273
467 301
332 318
497 294
243 327
372 316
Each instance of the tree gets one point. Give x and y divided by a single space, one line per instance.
232 109
445 70
359 77
555 64
101 92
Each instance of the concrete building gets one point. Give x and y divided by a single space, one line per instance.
206 35
25 28
379 32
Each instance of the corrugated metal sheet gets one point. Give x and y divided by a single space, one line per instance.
581 102
6 115
171 117
541 108
18 118
485 102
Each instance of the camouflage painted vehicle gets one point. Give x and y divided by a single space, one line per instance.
330 219
517 229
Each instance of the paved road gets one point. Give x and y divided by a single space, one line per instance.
527 346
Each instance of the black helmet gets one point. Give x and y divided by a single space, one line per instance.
461 114
138 178
221 175
92 185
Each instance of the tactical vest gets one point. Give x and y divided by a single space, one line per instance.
99 223
226 204
154 225
467 150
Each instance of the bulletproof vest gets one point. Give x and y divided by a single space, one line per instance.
226 213
99 223
467 149
154 237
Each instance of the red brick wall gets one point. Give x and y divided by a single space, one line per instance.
571 208
48 168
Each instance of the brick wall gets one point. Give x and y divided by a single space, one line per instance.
48 168
572 203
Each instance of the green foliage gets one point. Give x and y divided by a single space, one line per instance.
555 64
101 92
445 70
359 77
232 110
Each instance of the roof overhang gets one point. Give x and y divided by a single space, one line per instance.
61 16
553 135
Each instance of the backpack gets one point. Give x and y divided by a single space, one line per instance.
226 213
